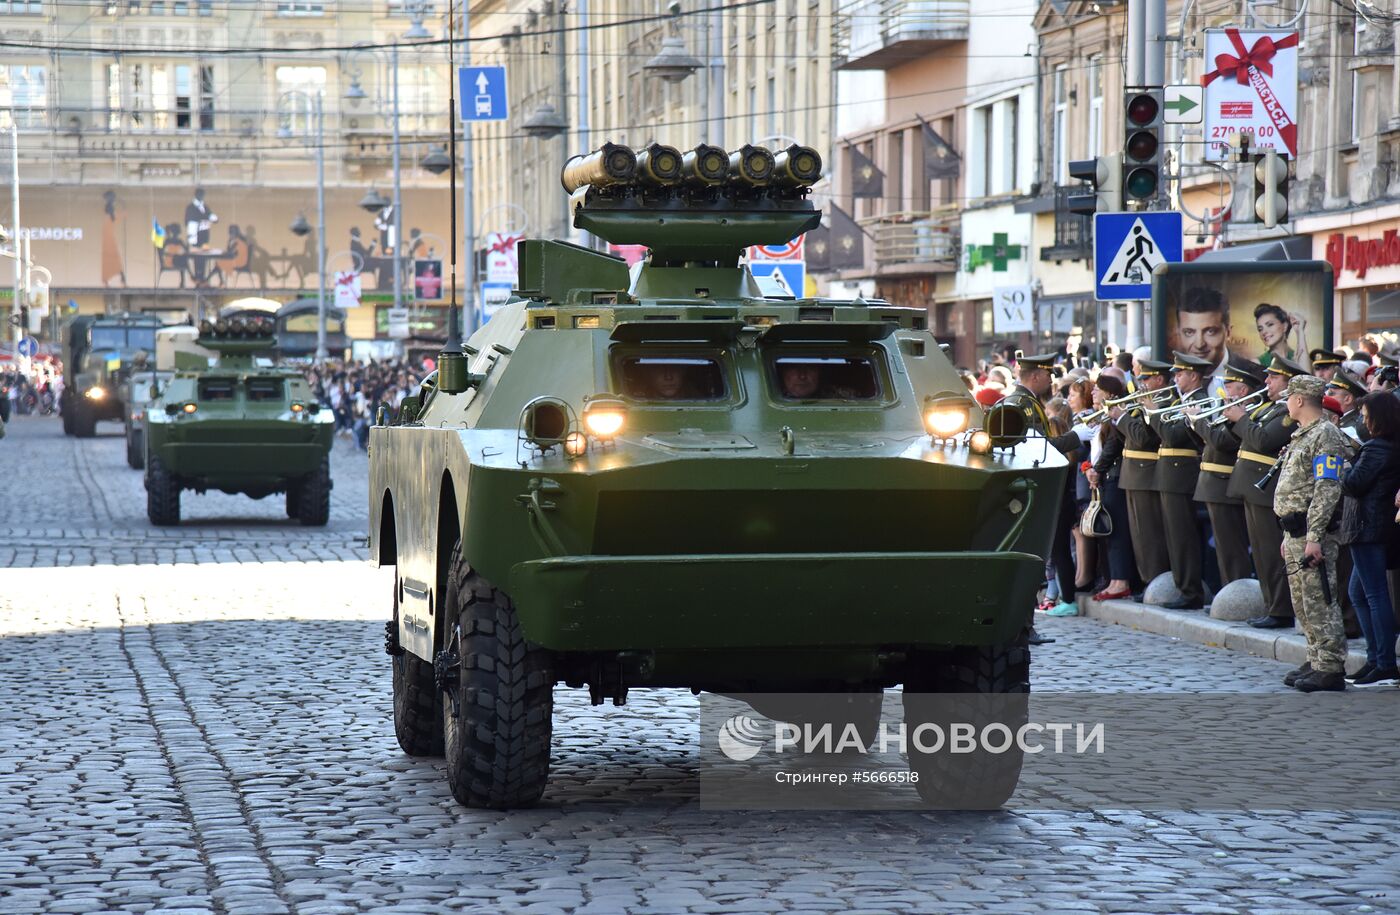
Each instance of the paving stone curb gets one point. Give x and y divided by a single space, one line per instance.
1196 626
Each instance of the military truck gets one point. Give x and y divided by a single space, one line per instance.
663 478
240 425
99 353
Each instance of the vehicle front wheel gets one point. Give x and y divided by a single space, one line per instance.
293 509
314 499
497 715
84 421
135 450
977 686
417 700
162 495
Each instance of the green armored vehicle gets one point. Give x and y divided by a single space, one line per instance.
142 387
238 427
99 353
662 478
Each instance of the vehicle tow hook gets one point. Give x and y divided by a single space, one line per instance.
391 639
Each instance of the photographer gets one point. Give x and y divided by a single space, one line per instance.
1368 528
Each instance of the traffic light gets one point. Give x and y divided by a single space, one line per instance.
1142 145
1270 188
1106 175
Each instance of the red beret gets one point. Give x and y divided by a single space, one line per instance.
1332 404
987 396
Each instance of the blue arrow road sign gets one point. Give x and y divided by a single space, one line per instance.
483 92
1127 246
28 347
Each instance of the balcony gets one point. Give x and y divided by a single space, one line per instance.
882 34
914 243
1074 233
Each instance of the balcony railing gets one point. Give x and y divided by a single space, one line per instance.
915 238
1074 233
880 34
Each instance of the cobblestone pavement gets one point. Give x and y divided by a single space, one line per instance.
217 738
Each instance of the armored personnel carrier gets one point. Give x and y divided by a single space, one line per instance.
663 478
141 388
99 353
238 427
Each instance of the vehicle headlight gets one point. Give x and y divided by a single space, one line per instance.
1006 425
945 415
604 417
96 392
190 407
980 442
575 444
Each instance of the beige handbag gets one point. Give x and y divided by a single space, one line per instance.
1096 521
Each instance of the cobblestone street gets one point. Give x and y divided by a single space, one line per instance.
198 719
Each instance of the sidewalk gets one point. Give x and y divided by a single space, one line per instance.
1197 626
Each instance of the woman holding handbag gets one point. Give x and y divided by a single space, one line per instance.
1106 457
1368 530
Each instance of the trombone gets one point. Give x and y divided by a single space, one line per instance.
1248 401
1101 413
1184 405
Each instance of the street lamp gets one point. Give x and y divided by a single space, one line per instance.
313 102
544 122
436 161
673 63
373 202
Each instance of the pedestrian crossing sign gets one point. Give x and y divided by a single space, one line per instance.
1128 246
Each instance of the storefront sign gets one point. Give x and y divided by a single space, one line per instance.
1361 255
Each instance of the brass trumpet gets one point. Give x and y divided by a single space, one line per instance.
1183 406
1248 401
1138 395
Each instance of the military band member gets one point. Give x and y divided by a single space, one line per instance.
1217 463
1262 433
1138 476
1348 391
1307 501
1178 467
1325 363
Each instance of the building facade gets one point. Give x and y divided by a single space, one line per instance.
167 150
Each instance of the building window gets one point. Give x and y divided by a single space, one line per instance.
300 8
114 96
21 6
295 113
1010 145
1059 124
206 97
421 93
983 142
411 8
1095 106
24 95
1357 40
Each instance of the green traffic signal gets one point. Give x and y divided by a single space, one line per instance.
1141 183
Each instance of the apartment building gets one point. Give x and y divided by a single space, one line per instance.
167 149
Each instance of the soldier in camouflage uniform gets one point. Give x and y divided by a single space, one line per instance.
1306 500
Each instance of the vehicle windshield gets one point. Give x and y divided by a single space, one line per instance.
214 389
672 378
124 338
826 378
263 389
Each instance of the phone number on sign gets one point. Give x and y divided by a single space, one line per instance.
875 777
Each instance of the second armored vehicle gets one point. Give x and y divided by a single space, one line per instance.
663 477
238 427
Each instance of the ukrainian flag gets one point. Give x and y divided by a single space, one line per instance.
157 234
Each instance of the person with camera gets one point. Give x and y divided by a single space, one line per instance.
1369 531
1307 497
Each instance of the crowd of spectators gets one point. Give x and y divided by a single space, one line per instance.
354 391
35 391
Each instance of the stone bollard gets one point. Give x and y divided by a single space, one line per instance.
1238 601
1162 590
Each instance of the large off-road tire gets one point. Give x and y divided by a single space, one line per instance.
67 416
417 700
162 495
135 450
978 686
497 715
84 422
314 498
293 494
860 710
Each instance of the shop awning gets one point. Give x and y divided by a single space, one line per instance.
1293 248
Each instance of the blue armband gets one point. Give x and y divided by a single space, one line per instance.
1327 467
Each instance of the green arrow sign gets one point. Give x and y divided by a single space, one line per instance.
1180 105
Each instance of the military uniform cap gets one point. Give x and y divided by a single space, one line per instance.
1322 358
1036 362
1344 381
1389 355
1242 370
1185 362
1307 385
1281 366
1153 367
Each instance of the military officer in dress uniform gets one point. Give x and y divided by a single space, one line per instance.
1262 433
1178 467
1033 385
1325 363
1217 463
1348 391
1307 500
1138 476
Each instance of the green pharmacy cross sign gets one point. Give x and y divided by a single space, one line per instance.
997 253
